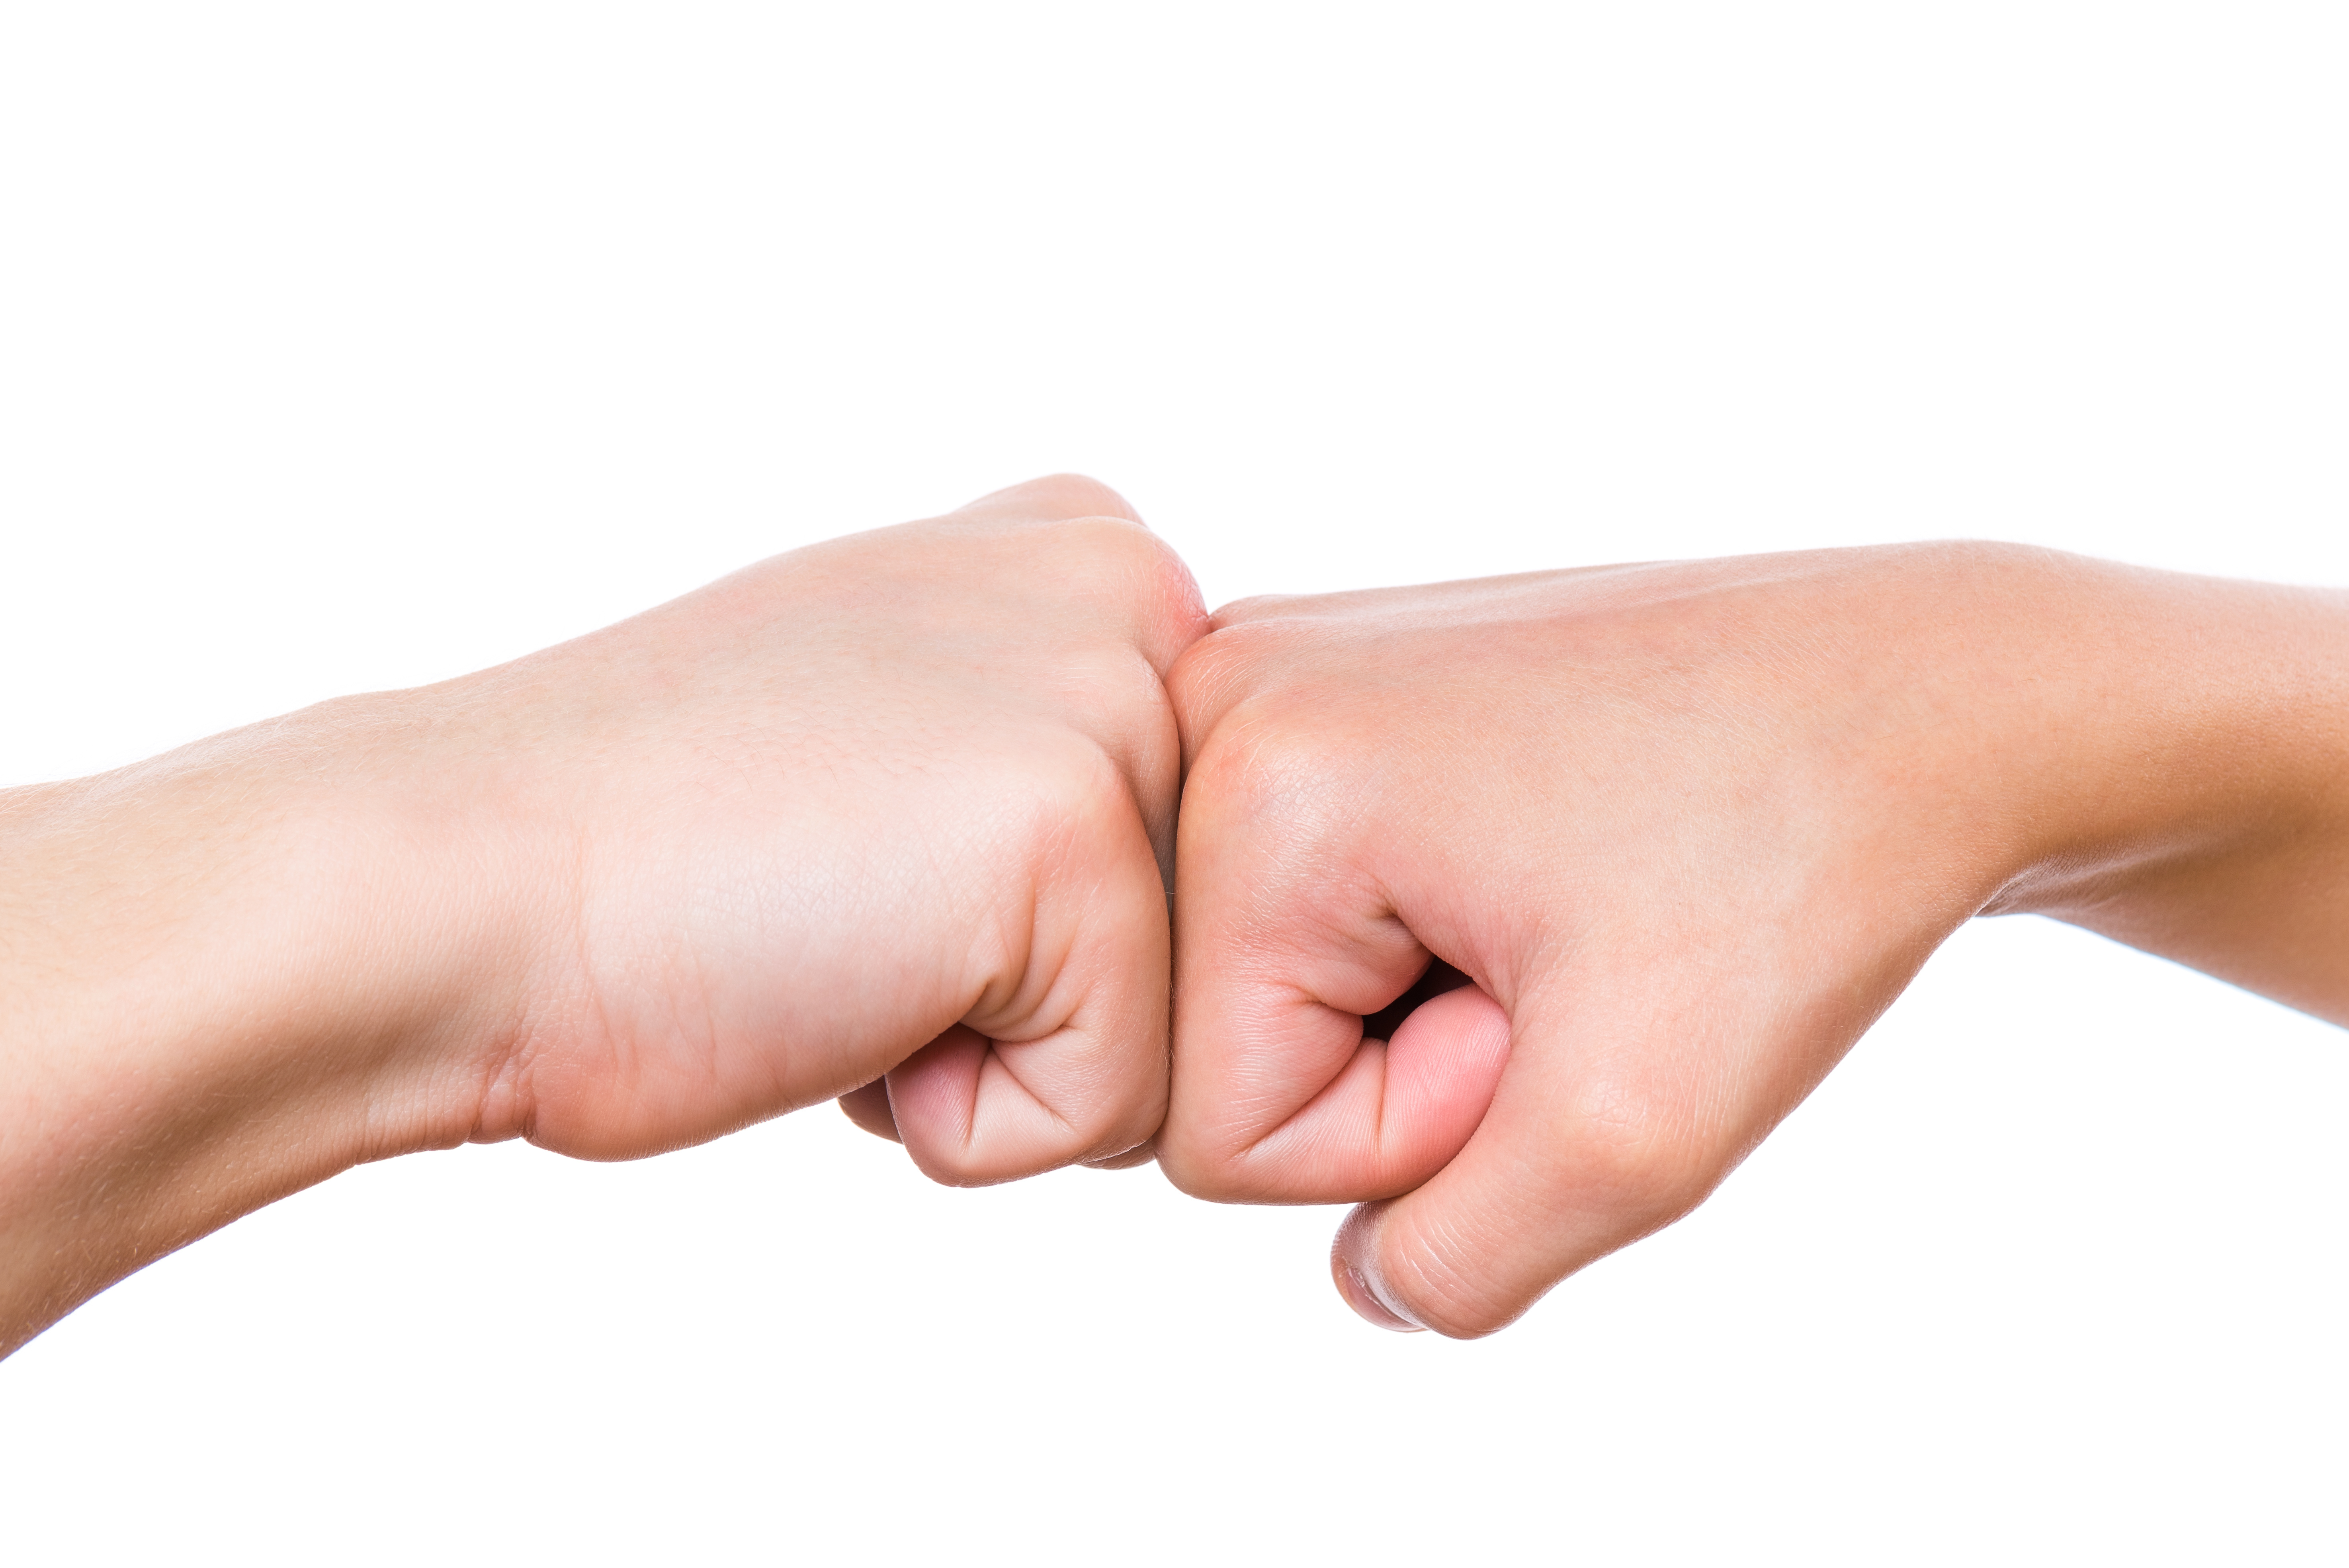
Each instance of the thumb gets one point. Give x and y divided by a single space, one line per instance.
1626 1100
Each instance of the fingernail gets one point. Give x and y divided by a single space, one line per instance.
1352 1264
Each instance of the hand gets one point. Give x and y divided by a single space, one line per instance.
895 804
1690 828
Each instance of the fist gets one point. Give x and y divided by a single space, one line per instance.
886 817
1688 828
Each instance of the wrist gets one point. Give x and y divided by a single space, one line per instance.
2189 792
229 973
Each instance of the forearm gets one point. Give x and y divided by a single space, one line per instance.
739 854
226 974
2207 780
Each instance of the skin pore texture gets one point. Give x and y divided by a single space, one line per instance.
900 803
892 820
1690 828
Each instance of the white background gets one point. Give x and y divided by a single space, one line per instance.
345 350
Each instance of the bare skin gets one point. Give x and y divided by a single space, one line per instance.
888 819
1690 828
900 803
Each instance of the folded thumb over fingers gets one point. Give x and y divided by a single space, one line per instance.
1613 1117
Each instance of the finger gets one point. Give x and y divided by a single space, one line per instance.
1571 1162
868 1107
1278 1095
1390 1116
1401 1109
1069 1064
1628 1094
1441 1066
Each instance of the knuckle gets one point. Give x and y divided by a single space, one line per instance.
1263 767
1228 652
1111 546
1201 1172
1080 795
1107 549
1631 1153
1256 607
1262 671
1074 496
1119 691
1114 560
1205 679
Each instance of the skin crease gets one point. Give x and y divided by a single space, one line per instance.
901 802
1691 828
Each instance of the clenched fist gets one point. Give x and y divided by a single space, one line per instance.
888 816
1690 828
